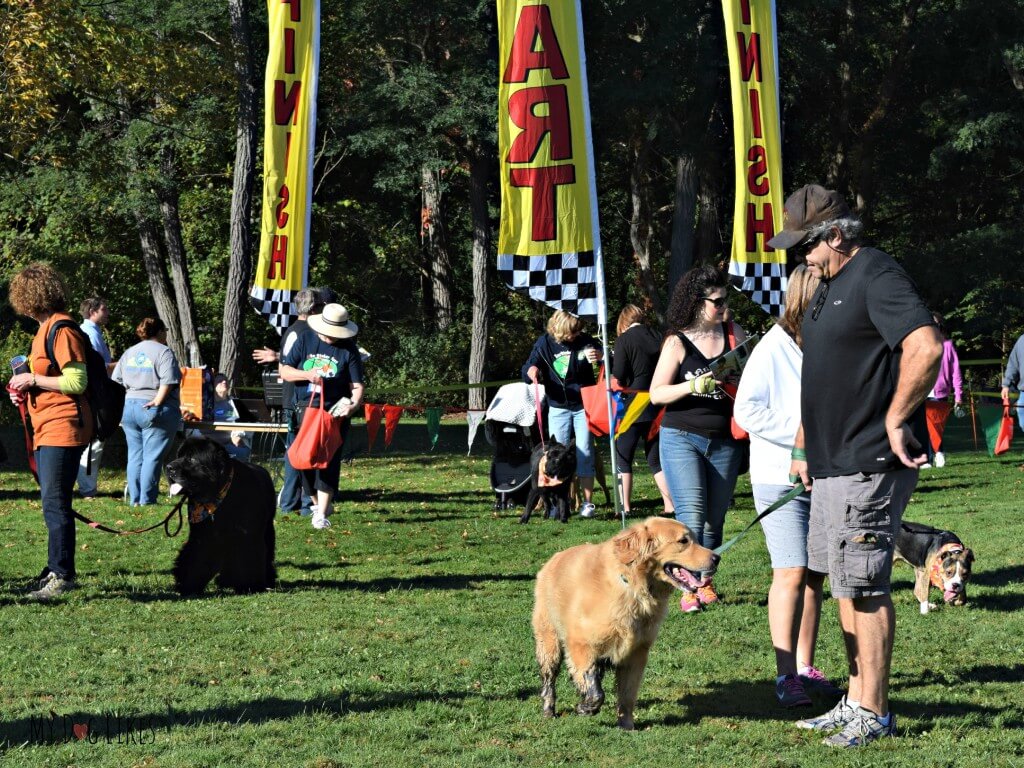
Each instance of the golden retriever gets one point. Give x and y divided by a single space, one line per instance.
601 605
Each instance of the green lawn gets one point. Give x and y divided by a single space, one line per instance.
401 636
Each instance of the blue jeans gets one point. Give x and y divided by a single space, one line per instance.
149 432
564 424
290 499
701 475
58 470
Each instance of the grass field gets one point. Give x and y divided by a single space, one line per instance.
401 636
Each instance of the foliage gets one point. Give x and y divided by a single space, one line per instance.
401 636
108 103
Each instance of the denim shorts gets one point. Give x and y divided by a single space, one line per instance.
785 529
853 526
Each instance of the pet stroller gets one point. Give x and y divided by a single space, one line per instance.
511 427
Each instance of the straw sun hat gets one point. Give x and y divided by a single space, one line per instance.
333 322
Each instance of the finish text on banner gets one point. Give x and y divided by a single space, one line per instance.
288 144
548 234
758 269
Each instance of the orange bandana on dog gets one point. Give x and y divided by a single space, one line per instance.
197 513
542 478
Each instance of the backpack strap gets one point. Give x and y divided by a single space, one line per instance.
50 338
730 335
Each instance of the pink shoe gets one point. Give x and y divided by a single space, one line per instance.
689 602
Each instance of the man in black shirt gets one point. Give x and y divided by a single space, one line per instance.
871 354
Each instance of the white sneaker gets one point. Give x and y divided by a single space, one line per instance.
940 459
587 509
320 520
926 465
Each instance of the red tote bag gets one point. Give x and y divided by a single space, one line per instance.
1005 430
319 438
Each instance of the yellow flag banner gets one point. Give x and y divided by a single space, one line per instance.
289 135
758 269
549 239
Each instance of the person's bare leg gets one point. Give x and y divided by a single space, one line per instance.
875 621
587 484
848 624
784 610
662 483
626 479
810 619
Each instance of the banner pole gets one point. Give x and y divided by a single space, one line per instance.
602 303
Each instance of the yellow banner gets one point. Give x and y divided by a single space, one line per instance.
288 144
544 148
753 66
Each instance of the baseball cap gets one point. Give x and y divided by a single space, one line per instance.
811 204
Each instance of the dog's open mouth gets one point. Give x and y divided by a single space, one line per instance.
684 578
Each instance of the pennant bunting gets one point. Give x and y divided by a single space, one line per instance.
433 425
640 402
288 142
549 238
392 414
473 419
756 268
373 414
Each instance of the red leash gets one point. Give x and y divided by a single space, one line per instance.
29 450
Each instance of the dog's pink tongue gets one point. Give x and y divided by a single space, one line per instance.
949 595
176 488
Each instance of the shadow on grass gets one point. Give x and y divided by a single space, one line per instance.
383 496
940 486
441 582
983 673
999 577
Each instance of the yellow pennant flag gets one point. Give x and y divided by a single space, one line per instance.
640 402
548 239
288 142
758 269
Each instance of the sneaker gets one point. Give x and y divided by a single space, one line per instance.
863 728
320 521
836 718
587 509
940 459
51 586
689 603
814 680
790 692
926 465
707 594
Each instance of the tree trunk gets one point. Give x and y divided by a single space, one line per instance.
479 169
641 227
240 268
683 215
709 236
168 196
159 285
437 248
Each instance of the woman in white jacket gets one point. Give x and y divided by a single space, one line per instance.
768 407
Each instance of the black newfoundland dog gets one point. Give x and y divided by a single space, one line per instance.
552 469
231 515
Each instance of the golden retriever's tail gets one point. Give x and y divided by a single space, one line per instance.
549 653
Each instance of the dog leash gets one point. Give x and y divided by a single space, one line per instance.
165 523
797 490
540 421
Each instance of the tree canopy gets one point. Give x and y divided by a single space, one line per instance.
120 120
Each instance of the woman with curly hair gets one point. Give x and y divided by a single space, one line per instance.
698 454
61 420
150 374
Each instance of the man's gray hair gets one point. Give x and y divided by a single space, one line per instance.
304 301
850 227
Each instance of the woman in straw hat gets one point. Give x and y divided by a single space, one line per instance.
326 359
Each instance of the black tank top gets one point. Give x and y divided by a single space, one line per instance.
707 415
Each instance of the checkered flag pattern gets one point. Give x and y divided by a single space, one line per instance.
275 306
764 282
565 281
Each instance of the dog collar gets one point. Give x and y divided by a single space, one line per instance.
198 512
935 572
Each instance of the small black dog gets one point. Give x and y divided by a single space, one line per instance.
552 469
231 515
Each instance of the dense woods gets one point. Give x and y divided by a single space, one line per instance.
130 136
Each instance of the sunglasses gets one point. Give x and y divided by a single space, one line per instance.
719 303
821 301
801 249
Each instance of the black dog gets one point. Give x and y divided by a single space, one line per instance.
552 469
231 515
